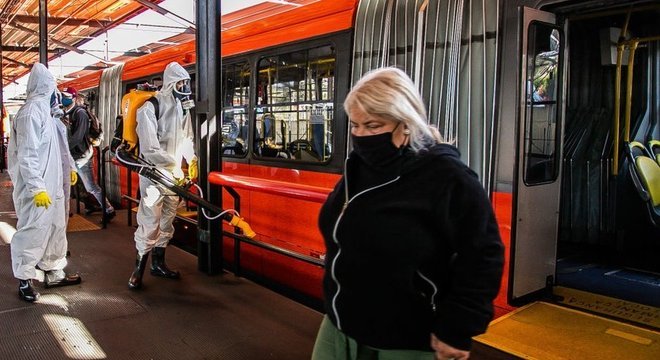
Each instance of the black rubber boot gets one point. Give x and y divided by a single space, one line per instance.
158 266
26 291
135 282
60 278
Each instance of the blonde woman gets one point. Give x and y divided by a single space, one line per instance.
414 257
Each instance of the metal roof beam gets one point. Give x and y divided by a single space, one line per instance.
16 62
9 48
54 41
10 79
27 19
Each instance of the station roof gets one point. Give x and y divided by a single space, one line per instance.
71 23
74 23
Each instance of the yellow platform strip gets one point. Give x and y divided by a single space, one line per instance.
552 332
186 213
79 223
625 310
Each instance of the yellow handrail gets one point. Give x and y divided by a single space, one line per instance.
632 45
629 86
617 109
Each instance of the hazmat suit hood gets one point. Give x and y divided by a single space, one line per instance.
40 85
173 73
167 140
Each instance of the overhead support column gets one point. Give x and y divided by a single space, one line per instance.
208 134
43 32
2 110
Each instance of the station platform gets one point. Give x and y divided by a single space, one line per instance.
195 317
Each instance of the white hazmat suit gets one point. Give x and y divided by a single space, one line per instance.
35 165
164 142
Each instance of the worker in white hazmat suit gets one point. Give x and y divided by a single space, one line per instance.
164 142
35 168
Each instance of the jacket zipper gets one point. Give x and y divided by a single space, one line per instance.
435 289
334 236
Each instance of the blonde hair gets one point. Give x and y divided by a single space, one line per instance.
389 93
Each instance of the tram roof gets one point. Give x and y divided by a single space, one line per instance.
72 23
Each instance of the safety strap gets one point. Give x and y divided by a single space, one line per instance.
154 101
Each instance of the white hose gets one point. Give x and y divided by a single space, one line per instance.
201 194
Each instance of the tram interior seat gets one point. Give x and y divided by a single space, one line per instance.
266 147
236 149
654 149
302 150
645 173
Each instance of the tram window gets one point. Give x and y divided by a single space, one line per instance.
295 105
155 82
132 85
542 128
235 95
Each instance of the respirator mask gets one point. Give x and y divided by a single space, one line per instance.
182 92
56 110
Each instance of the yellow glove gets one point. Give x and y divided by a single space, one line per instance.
74 177
178 176
177 173
42 199
193 170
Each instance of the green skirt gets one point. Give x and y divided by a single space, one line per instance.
332 344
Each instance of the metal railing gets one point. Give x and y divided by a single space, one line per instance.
229 182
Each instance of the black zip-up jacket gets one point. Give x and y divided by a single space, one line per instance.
410 252
79 127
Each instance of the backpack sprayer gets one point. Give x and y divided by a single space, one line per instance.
125 148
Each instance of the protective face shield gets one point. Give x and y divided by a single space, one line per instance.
56 110
182 91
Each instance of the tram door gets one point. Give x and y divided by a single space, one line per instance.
539 155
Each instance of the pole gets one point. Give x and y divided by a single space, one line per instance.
43 32
207 126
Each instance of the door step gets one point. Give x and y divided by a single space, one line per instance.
627 311
546 331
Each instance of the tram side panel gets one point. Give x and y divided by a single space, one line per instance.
292 224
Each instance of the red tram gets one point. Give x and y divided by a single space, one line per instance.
529 91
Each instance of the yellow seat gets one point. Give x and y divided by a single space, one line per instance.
654 149
645 173
649 173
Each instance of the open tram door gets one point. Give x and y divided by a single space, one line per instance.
538 175
553 322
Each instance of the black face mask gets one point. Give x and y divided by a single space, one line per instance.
375 150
